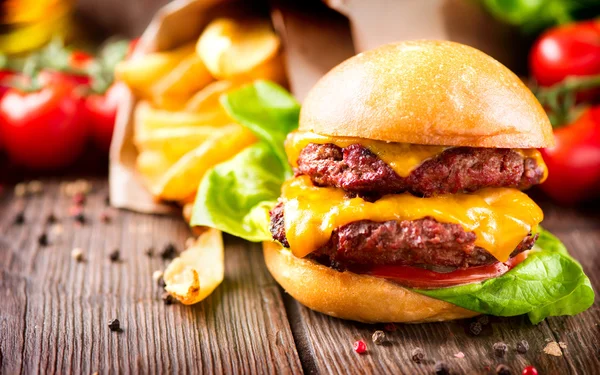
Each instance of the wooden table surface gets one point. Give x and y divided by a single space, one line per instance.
54 310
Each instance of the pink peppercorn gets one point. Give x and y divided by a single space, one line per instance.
359 346
529 370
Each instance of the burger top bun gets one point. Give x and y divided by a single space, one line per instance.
352 296
427 92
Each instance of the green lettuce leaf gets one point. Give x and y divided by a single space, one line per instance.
236 196
268 110
548 283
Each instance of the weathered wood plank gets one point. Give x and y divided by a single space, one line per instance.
327 342
54 310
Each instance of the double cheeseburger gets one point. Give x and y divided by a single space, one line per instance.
410 161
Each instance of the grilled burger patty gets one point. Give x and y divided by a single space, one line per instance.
424 242
462 169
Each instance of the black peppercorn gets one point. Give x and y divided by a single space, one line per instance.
417 355
475 328
150 252
51 219
80 218
441 368
43 239
483 320
19 218
115 255
502 370
500 349
167 298
169 252
378 337
114 325
522 346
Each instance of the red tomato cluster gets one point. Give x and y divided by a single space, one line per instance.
571 53
49 126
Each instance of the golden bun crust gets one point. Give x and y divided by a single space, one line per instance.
427 92
352 296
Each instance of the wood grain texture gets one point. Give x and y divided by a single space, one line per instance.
54 310
327 342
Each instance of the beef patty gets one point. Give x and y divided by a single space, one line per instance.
461 169
424 242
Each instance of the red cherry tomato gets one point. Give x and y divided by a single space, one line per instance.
415 277
101 112
574 162
43 129
569 50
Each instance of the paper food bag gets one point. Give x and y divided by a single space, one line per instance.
315 39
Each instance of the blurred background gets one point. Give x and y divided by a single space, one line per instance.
59 95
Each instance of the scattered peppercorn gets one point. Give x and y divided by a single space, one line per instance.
19 218
104 217
483 320
529 370
441 368
475 328
43 239
77 254
378 337
150 252
169 252
115 255
502 370
390 327
107 200
80 218
500 349
522 346
359 346
114 325
161 282
167 298
79 199
417 355
51 219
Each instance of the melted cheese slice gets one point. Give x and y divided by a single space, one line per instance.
403 158
500 217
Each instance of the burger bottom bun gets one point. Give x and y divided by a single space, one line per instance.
352 296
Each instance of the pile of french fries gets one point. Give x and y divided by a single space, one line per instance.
181 130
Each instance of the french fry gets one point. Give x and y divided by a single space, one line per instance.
207 99
198 271
147 119
141 73
177 142
230 47
182 179
153 165
189 76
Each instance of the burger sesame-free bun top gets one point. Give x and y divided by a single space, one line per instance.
427 92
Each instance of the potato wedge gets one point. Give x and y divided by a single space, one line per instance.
141 73
152 166
189 76
182 179
232 47
198 271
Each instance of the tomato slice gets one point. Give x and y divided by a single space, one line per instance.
414 277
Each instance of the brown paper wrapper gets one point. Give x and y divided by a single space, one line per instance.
308 35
